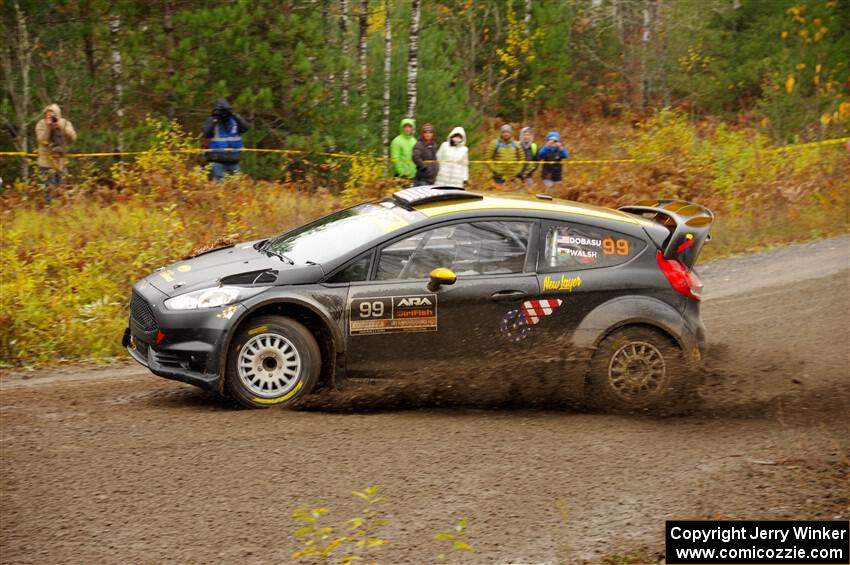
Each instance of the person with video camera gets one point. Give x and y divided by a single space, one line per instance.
223 131
53 134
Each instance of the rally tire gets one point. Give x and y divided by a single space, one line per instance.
272 361
637 369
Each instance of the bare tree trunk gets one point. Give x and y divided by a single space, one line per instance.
617 16
19 56
526 31
646 34
117 84
326 19
413 56
363 30
170 47
526 20
88 49
388 58
343 29
662 32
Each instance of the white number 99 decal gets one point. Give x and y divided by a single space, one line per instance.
371 309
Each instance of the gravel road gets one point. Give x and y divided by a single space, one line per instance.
113 465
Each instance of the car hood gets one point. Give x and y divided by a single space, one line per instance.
239 264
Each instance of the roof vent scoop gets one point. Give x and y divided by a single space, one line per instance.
427 194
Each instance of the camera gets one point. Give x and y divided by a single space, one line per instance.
55 120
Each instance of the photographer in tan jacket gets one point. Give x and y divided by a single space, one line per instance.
53 133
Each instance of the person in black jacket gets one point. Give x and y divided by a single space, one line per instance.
425 157
223 135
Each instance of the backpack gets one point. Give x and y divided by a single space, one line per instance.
513 143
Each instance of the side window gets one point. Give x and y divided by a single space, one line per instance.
357 270
480 248
574 246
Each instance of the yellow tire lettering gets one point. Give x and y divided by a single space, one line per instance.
283 398
257 330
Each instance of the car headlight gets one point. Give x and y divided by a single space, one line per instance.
210 297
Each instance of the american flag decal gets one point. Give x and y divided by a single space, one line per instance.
534 310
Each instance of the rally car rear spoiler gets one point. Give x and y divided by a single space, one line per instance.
688 225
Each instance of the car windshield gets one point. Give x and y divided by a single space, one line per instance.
329 237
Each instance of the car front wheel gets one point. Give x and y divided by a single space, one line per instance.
636 368
273 360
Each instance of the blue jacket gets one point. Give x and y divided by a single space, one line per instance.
224 131
552 169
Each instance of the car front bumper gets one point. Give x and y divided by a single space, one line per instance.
172 366
184 345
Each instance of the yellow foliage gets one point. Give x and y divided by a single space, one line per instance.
731 163
362 180
68 268
518 49
789 84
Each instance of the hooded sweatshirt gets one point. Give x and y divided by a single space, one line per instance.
53 142
224 129
454 160
401 151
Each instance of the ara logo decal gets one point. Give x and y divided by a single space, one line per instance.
393 314
415 301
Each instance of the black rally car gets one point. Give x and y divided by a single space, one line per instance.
433 276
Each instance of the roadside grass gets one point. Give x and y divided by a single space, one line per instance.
68 267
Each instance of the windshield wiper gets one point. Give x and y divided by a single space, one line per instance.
281 256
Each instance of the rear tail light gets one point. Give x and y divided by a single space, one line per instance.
682 280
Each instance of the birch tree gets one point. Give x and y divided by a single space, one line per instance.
17 62
343 31
363 32
413 56
116 72
170 47
326 20
388 58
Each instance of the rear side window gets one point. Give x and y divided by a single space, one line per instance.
575 246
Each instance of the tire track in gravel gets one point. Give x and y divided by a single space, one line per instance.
108 465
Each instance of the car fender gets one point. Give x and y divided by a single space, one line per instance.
628 310
285 299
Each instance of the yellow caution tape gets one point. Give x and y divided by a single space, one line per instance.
199 151
836 141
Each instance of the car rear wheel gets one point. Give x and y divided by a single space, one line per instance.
636 368
273 360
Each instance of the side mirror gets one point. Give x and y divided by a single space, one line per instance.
440 277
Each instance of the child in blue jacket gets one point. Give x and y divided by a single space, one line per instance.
552 154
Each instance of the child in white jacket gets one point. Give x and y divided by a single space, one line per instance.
453 156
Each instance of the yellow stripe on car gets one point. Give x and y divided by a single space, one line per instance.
523 202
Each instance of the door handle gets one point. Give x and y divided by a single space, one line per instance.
508 295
